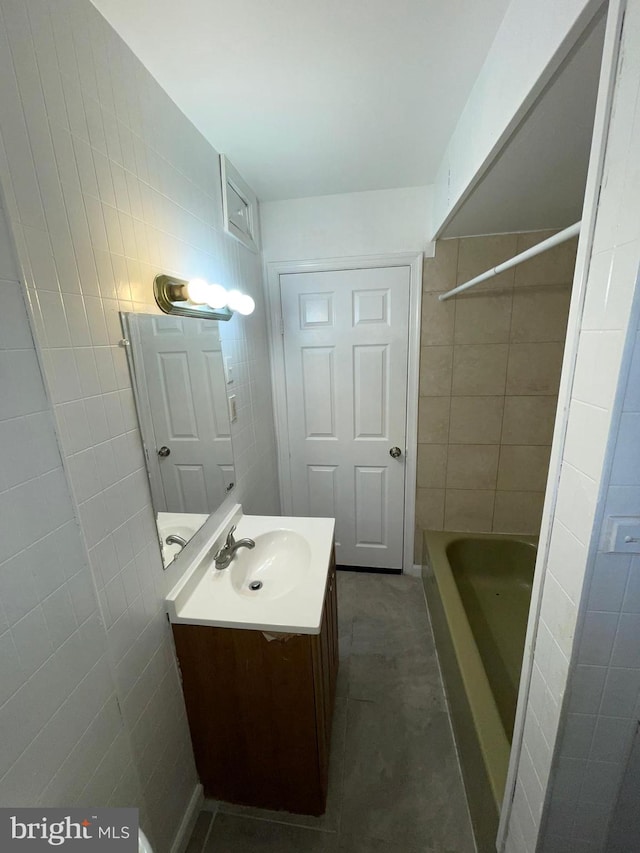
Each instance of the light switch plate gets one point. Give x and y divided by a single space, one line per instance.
622 534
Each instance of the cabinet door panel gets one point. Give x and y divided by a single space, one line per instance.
251 711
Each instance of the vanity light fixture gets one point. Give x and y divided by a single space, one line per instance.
198 298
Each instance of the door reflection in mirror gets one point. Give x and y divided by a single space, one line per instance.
180 390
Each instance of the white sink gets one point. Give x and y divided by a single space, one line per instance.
279 562
185 524
287 568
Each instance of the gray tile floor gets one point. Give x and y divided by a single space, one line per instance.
395 784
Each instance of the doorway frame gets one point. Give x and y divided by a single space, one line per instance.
274 270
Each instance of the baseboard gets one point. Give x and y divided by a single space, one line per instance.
188 821
414 571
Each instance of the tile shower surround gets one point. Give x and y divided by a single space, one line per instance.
602 704
105 183
584 697
489 374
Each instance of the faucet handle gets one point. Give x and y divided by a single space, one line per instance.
230 538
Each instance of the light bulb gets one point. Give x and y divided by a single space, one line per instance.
234 298
245 304
240 302
198 291
216 296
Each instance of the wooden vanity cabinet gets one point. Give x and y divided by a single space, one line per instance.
260 710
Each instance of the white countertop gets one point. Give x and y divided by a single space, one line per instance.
291 557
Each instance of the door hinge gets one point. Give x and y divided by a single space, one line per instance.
281 325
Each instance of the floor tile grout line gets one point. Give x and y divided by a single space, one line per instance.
208 832
344 758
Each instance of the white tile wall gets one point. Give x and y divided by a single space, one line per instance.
57 693
590 604
106 184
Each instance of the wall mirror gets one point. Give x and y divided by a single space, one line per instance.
179 384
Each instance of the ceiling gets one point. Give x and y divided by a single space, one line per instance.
314 97
538 179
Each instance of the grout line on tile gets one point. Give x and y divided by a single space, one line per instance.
208 832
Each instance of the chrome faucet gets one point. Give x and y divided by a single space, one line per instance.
228 550
174 539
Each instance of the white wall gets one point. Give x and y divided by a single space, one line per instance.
63 741
531 41
347 225
106 184
586 664
604 686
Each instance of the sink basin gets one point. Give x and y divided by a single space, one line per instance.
279 562
185 524
278 586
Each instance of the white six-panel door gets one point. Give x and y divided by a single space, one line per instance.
345 350
189 410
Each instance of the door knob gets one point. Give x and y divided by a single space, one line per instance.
164 451
395 452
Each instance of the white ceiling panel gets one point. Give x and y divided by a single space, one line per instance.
313 97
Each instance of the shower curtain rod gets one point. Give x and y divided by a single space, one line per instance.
549 243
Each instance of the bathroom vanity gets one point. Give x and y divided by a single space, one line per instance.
259 666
